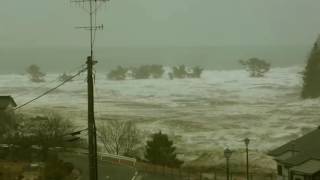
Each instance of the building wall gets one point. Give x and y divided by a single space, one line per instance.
316 176
298 177
284 175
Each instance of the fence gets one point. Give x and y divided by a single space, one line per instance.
184 174
176 173
116 159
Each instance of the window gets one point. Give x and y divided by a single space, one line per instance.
279 169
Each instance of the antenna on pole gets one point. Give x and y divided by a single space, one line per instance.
91 6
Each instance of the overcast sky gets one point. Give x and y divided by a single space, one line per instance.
36 23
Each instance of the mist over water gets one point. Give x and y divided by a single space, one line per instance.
64 59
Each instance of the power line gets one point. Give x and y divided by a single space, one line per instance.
49 83
76 132
52 89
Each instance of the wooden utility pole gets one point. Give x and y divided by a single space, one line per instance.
92 136
246 142
93 164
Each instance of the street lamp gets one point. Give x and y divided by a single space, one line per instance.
227 155
247 141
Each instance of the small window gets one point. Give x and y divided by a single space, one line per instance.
279 169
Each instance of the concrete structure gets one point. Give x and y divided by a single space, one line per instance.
300 158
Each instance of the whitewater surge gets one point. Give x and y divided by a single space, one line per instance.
216 111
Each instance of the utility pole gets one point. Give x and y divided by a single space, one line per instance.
92 136
227 155
93 164
246 142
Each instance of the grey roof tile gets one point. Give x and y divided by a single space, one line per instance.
305 148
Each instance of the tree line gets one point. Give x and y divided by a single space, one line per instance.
255 66
154 72
37 76
141 72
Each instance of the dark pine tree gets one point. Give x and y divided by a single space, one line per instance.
160 151
311 74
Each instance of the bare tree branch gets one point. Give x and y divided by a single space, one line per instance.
118 137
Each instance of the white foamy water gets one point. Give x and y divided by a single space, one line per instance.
218 110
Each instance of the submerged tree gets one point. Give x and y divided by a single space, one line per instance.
196 72
179 71
148 71
119 137
160 151
118 74
256 67
156 71
141 72
182 72
311 74
65 77
35 74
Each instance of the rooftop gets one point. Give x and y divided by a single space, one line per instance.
303 149
5 101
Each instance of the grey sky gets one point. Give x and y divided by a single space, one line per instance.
162 23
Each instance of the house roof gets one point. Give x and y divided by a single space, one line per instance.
309 167
305 148
5 101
